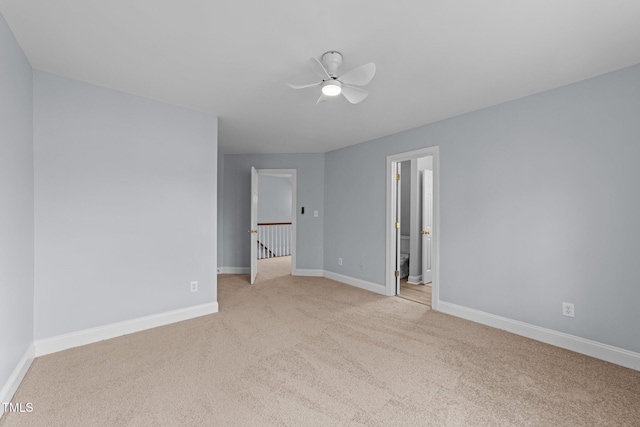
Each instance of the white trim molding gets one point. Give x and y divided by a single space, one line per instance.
16 377
415 280
358 283
619 356
308 272
234 270
100 333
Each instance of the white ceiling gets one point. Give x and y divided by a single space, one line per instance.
435 59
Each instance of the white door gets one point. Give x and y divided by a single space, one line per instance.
427 226
253 231
398 211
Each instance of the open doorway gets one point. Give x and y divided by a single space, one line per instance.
273 222
412 238
415 229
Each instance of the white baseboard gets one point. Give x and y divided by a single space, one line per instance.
359 283
247 270
414 280
14 380
591 348
89 336
234 270
308 272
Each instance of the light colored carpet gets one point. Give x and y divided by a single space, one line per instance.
311 351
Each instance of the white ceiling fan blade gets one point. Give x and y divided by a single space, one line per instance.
322 98
294 86
319 69
354 94
359 76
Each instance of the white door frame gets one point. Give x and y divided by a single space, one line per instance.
427 226
293 173
390 288
253 227
396 169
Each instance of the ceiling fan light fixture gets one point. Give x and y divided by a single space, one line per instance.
331 88
334 83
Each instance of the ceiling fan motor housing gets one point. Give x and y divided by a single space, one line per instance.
332 61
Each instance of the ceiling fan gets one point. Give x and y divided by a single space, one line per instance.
334 84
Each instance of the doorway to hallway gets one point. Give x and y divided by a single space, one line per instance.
273 218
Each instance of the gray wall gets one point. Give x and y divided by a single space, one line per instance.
125 206
539 203
16 203
236 206
274 199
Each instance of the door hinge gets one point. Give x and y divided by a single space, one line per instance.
397 177
397 273
397 225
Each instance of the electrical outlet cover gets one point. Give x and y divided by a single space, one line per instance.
568 309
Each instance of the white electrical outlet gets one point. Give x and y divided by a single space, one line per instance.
194 286
361 266
568 309
315 214
339 261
